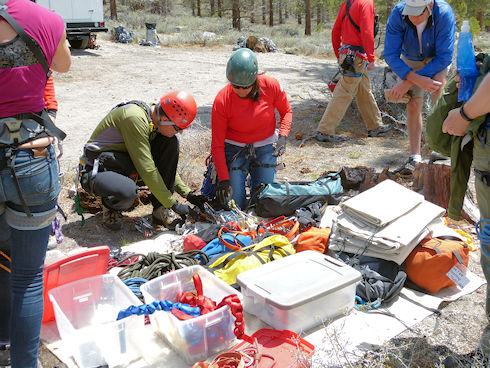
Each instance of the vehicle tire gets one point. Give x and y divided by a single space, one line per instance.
79 44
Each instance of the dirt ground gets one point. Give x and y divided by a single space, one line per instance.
99 79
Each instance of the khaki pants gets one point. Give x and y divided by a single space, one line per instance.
347 88
416 91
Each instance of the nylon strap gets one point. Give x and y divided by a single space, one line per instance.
30 42
348 4
138 103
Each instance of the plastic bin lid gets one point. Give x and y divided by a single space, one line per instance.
295 280
80 265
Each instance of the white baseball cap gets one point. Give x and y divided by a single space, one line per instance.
415 7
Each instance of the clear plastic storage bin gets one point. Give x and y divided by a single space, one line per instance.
86 313
300 291
198 338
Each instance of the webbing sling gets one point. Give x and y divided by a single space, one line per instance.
30 42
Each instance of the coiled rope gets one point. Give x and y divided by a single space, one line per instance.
156 264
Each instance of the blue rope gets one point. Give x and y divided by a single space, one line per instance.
134 284
158 305
364 305
483 233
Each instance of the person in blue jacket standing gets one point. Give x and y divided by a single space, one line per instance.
419 45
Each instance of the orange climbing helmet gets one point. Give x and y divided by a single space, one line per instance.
180 107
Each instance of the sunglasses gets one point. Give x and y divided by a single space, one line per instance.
240 87
169 122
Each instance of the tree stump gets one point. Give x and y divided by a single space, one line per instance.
434 182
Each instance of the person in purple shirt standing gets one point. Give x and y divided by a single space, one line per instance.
32 40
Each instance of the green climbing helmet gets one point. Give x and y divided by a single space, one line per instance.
242 68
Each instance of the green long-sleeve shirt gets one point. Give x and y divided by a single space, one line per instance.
128 129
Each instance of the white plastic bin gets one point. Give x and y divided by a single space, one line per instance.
86 312
300 291
198 338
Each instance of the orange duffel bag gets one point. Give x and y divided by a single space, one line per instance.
431 260
313 239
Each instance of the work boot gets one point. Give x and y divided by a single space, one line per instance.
166 217
319 136
379 131
112 219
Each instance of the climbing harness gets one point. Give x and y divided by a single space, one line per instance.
21 128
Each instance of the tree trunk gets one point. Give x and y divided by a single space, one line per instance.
271 13
252 11
220 8
263 12
280 13
479 16
318 13
307 18
113 9
236 14
193 8
389 7
198 8
211 5
300 18
286 12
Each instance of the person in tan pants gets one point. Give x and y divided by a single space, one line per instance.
349 86
353 43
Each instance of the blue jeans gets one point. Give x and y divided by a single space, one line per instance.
26 238
261 167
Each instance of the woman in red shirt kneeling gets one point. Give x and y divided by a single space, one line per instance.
245 137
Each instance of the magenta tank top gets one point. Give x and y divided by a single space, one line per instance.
22 79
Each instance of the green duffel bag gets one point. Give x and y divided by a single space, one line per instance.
283 199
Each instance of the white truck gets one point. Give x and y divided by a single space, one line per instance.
83 18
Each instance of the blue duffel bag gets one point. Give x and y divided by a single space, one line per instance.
283 199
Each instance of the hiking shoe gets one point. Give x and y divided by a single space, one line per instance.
166 217
112 219
379 131
407 168
319 136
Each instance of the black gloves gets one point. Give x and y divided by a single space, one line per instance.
181 209
223 192
196 200
279 146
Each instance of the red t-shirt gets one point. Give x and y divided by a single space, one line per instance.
247 121
343 32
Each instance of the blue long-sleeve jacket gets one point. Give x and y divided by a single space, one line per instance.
437 40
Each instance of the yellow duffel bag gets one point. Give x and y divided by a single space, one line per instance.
229 265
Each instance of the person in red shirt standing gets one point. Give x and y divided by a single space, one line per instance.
353 43
245 139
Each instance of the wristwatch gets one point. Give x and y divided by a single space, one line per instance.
463 114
